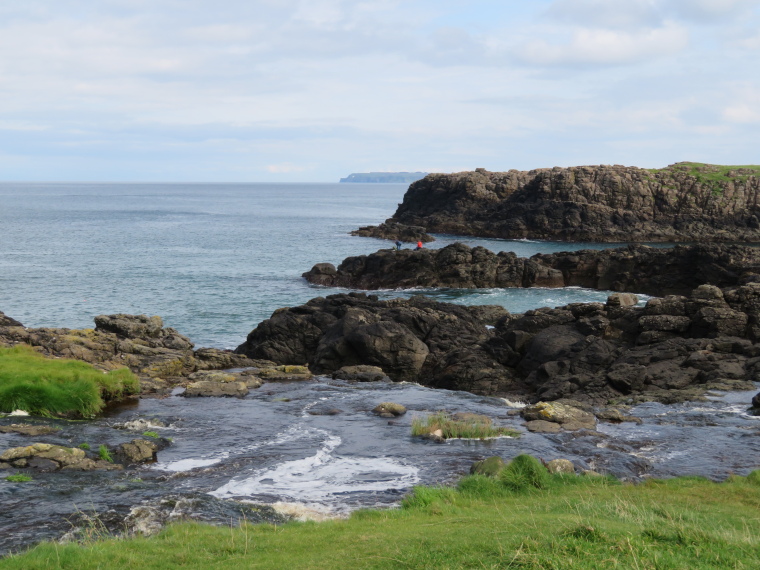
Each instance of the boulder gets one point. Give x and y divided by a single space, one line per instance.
211 389
389 410
136 451
48 457
568 417
361 373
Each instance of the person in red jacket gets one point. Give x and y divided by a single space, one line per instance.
419 245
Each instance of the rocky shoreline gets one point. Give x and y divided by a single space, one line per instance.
162 358
685 202
635 268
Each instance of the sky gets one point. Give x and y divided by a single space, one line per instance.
312 90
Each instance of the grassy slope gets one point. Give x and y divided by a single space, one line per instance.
45 386
575 523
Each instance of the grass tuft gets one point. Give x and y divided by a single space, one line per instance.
464 426
19 478
525 473
104 454
48 387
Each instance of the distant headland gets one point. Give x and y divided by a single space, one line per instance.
384 177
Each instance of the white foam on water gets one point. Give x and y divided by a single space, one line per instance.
18 413
304 512
323 476
513 404
293 433
185 464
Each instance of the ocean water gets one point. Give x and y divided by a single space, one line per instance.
213 260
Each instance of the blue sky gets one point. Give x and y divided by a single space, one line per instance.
312 90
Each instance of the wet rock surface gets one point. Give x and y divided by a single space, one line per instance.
585 203
636 268
673 349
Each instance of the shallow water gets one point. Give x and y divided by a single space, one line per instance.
276 446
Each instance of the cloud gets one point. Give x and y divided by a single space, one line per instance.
745 109
606 13
710 11
597 46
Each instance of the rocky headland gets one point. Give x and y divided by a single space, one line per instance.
685 202
635 268
161 357
673 349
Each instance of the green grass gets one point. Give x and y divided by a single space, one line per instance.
469 426
19 478
47 387
84 445
712 175
571 523
104 454
152 434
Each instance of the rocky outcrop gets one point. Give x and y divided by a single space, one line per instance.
396 232
684 202
638 268
673 349
48 457
159 355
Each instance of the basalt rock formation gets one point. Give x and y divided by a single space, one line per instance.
636 268
683 202
159 355
674 348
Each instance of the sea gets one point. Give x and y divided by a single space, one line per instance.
214 260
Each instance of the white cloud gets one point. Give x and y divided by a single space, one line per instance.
596 46
745 109
606 13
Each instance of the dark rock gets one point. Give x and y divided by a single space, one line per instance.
361 373
586 203
396 232
636 268
6 321
672 350
136 451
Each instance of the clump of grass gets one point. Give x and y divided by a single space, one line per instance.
84 446
19 478
47 387
152 434
463 426
525 473
104 454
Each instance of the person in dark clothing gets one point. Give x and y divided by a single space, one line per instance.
398 245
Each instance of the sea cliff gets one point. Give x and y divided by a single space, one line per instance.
685 202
